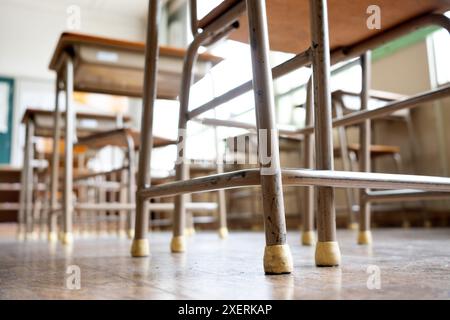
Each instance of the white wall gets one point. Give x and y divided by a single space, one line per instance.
29 31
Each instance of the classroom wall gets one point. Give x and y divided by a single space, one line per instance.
409 73
29 31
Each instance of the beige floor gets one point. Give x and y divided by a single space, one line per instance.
413 264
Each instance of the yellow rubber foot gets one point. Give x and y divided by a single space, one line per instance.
31 236
140 248
130 234
327 254
223 233
406 224
67 238
20 236
353 226
52 237
178 244
365 237
189 231
85 234
308 238
103 234
278 259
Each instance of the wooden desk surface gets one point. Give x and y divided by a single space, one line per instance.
289 23
89 123
112 66
118 138
33 112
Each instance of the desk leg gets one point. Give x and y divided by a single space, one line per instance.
123 198
338 105
308 235
140 246
221 200
27 180
131 187
327 248
53 216
67 213
364 235
190 227
182 169
277 255
21 217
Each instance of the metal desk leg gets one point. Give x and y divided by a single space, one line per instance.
53 216
36 207
140 246
102 224
179 217
221 200
327 248
27 179
190 226
308 235
131 186
123 198
67 237
365 235
277 254
343 147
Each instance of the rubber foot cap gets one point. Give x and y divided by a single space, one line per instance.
67 238
278 259
178 244
52 237
223 233
308 238
353 226
365 237
327 254
140 248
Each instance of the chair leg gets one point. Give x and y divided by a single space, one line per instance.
277 255
67 214
365 235
327 248
131 217
221 200
178 243
37 204
345 157
397 159
190 226
123 215
308 235
54 174
140 246
27 179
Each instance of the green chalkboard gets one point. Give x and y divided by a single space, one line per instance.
6 116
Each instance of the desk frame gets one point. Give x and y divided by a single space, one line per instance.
327 250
